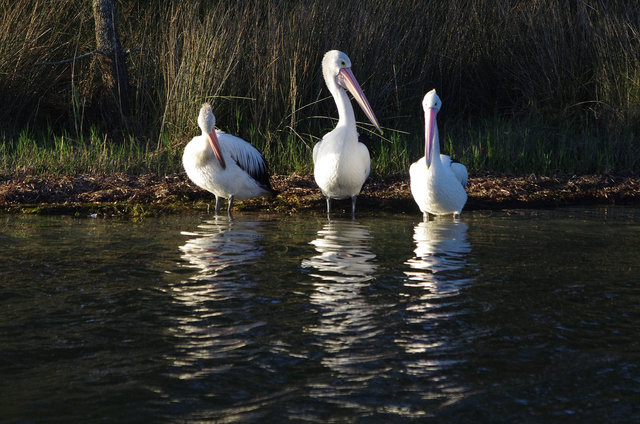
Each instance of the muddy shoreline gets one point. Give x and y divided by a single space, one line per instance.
150 194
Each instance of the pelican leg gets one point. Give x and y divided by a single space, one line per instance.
353 207
230 205
217 205
328 206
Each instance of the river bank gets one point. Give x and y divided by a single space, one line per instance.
150 194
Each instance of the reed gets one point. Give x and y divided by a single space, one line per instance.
537 86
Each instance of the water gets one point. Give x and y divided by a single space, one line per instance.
521 316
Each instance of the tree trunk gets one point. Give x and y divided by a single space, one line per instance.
111 65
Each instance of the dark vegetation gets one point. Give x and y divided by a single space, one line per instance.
528 86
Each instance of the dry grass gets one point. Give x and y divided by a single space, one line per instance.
568 70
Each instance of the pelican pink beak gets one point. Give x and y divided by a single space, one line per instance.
429 133
215 145
348 81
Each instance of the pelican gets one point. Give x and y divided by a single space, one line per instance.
437 183
341 162
225 165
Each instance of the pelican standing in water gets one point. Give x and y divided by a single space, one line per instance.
437 183
341 162
225 165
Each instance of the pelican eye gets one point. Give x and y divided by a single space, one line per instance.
343 63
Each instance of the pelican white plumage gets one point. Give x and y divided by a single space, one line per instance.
437 183
224 164
341 162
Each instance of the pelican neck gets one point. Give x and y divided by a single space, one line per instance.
435 143
346 116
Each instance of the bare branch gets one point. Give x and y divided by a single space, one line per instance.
84 56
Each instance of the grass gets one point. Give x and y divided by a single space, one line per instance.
94 154
539 86
503 146
496 145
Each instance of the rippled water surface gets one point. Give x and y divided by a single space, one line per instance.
521 316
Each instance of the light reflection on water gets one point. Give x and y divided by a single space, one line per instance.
222 248
220 251
342 268
441 248
492 318
344 253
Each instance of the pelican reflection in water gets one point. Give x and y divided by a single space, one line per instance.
342 268
222 246
214 321
441 250
432 295
344 255
440 246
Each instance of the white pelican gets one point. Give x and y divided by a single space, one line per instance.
437 183
341 162
225 165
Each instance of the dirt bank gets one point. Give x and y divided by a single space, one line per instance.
121 194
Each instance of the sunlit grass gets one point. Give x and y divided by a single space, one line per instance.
392 156
493 145
47 154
